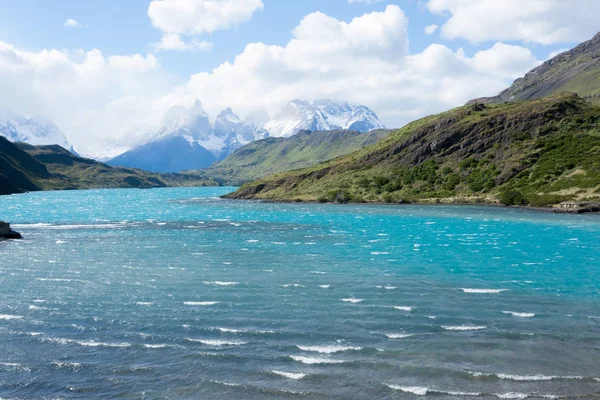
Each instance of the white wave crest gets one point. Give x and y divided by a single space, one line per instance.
200 303
214 342
289 375
524 378
231 330
352 300
398 335
483 291
519 314
418 390
423 391
315 360
328 349
403 308
7 317
65 364
463 328
220 283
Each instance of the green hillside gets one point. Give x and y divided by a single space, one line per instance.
264 157
24 167
537 152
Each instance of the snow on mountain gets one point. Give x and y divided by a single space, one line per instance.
236 133
209 143
322 115
35 130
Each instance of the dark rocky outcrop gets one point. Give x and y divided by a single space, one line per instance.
7 233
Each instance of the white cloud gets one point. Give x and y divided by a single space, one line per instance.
539 21
173 41
89 95
366 60
193 17
72 23
431 29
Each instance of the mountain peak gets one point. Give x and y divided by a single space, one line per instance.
36 130
197 108
322 115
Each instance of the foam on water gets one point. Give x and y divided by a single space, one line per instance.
156 346
220 283
463 327
352 300
7 317
200 303
525 378
519 314
86 343
483 291
328 349
398 335
251 331
315 360
289 375
403 308
217 343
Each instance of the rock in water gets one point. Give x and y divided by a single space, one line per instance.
7 233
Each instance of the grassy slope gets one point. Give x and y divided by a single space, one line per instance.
534 152
264 157
54 168
576 70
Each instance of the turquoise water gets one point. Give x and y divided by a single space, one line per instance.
175 293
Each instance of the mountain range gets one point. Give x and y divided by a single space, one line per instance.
188 141
36 130
24 167
537 143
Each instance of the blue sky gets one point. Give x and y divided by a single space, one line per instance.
260 54
123 27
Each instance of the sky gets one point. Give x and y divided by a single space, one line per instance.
107 70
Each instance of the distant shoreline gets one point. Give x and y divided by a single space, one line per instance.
547 210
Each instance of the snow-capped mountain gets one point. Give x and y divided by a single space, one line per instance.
322 115
235 132
187 140
35 130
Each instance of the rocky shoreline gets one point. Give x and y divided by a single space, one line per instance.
7 233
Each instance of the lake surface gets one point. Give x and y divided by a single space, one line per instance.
175 293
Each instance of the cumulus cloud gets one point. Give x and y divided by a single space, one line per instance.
72 23
89 95
193 17
539 21
173 41
366 60
431 29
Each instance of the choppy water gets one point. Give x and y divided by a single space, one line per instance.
176 293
